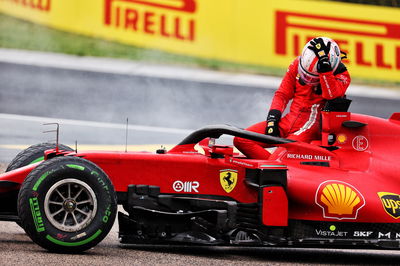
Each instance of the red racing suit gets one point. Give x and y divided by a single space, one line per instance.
302 121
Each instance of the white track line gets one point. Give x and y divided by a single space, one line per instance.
93 124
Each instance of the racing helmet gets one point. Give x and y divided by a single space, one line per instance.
308 61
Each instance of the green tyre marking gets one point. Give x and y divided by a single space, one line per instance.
73 244
37 160
107 214
36 215
94 173
40 180
79 167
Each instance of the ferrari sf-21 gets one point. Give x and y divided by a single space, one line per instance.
340 190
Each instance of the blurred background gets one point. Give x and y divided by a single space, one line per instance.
171 66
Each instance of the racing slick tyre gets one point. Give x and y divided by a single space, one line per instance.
67 205
33 154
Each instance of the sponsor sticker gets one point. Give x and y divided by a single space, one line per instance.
391 203
384 235
308 157
187 186
332 232
341 138
339 200
360 143
228 179
362 233
388 235
240 162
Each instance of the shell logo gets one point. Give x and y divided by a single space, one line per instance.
339 200
341 138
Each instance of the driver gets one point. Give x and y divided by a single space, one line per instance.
314 77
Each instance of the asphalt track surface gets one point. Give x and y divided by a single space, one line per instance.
173 103
110 98
92 108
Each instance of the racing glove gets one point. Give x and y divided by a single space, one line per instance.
273 118
321 51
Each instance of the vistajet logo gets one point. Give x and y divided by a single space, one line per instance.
371 44
42 5
173 19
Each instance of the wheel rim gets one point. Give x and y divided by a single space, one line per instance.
70 205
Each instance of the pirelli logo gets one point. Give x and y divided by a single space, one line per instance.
369 43
42 5
172 19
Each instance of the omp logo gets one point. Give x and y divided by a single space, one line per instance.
391 203
339 200
43 5
172 19
371 44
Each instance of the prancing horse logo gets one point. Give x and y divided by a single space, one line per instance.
228 179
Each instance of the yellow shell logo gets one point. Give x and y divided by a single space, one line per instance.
228 179
341 138
339 200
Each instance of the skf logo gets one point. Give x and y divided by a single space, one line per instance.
228 179
362 233
371 44
391 203
173 19
339 200
42 5
189 186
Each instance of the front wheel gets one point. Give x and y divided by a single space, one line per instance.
67 204
33 154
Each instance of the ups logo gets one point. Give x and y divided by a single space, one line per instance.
391 203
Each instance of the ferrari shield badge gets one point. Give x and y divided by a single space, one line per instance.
228 179
391 203
339 200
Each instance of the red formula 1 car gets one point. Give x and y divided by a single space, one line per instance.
342 189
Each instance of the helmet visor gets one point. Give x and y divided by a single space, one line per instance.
307 77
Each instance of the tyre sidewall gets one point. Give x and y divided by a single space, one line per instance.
32 154
39 227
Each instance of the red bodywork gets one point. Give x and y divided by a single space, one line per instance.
335 178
